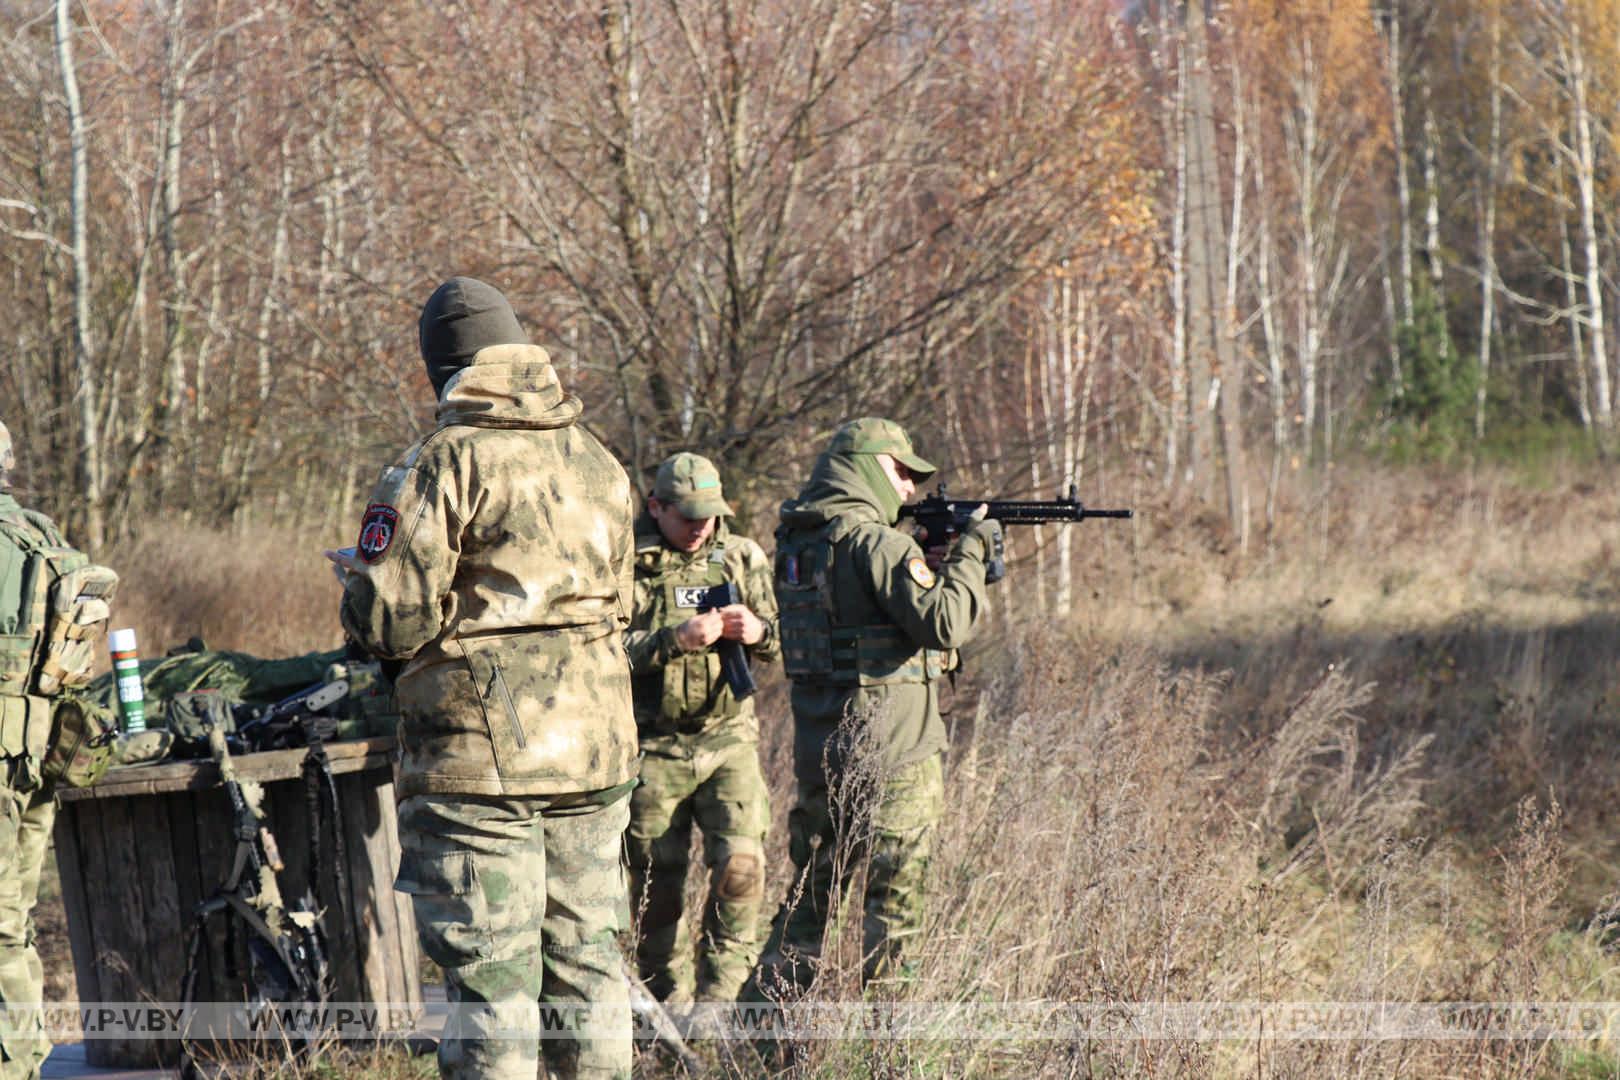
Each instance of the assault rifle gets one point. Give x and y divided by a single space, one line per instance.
942 516
286 951
733 660
296 720
301 720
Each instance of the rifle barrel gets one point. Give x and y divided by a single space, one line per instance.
1014 512
1025 515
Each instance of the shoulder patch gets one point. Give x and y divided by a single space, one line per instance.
377 530
920 573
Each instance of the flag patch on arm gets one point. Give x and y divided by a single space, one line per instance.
377 530
920 573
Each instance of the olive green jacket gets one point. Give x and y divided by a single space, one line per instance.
496 560
879 579
662 672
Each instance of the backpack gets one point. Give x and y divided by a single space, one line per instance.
62 615
65 600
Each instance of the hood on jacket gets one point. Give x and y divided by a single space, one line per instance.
843 485
508 386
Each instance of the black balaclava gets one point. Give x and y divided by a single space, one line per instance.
462 316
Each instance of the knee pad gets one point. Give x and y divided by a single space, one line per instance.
740 877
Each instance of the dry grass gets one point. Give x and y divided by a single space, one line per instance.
268 592
1372 760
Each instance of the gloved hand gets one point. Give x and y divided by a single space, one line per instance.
987 531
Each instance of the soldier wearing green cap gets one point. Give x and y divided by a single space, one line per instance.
869 628
699 744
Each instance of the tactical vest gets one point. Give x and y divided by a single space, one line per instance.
816 645
693 694
63 609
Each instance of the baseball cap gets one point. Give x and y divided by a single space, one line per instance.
874 435
691 484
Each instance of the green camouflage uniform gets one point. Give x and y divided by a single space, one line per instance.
495 558
700 757
27 808
25 833
867 632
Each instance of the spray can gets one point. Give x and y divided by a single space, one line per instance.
127 673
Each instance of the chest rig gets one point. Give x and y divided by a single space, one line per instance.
692 693
819 644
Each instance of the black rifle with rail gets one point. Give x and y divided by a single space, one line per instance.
733 659
286 949
943 517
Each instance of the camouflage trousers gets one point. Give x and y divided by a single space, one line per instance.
890 828
519 901
25 832
712 779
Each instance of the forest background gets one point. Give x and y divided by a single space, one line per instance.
1319 289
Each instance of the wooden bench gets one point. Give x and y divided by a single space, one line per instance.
142 848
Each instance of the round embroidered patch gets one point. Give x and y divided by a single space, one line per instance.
377 531
918 569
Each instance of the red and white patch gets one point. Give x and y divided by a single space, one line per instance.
377 530
920 573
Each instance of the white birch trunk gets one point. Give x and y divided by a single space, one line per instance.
1403 183
1310 341
1586 193
90 471
1577 339
1487 226
1032 440
1180 416
1275 379
172 418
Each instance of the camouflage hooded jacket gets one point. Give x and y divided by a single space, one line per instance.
495 557
881 588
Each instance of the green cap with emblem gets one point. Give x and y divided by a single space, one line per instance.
691 484
874 435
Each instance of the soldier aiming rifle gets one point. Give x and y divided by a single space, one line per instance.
943 518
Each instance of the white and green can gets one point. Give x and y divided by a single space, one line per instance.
126 663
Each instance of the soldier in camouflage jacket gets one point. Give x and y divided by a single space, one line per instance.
868 630
494 563
27 804
700 745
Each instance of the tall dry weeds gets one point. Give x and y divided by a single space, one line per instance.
1112 839
265 591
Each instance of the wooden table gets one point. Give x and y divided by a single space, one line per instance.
139 850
